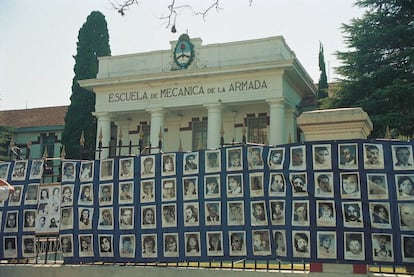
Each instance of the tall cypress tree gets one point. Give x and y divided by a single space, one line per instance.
323 80
93 42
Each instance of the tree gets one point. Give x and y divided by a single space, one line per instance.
323 80
5 138
93 42
378 69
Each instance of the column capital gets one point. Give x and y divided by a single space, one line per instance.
102 115
277 101
213 106
156 110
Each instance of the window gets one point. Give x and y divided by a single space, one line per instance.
257 130
199 134
48 143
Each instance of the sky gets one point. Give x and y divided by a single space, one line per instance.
38 37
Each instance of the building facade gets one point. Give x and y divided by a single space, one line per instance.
192 94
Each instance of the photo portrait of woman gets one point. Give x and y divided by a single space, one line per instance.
86 171
147 191
190 163
258 213
254 157
86 194
405 186
85 218
171 245
326 215
147 166
277 184
66 245
105 246
149 246
169 215
279 237
191 216
148 217
192 244
326 245
214 243
85 246
190 185
261 242
380 215
234 159
234 185
168 164
276 158
127 246
301 244
406 212
300 213
350 186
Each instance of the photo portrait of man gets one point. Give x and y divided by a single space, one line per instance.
301 244
297 158
237 243
9 247
348 156
234 159
106 169
29 246
235 210
276 158
322 156
11 221
19 171
214 244
382 249
15 197
407 248
29 220
258 213
126 192
402 157
190 163
169 215
212 161
406 212
352 212
256 184
68 171
234 185
191 214
149 246
279 238
212 213
192 244
106 219
32 194
299 184
66 218
169 189
377 186
354 246
126 168
373 156
36 170
148 218
277 184
212 186
254 157
190 185
126 218
147 191
147 166
105 194
261 242
278 212
300 213
324 184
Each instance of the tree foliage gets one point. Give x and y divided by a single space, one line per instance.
93 42
323 80
377 70
5 138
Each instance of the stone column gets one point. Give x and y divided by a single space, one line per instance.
277 121
103 130
214 124
123 130
157 126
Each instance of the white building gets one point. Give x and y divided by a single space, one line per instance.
192 92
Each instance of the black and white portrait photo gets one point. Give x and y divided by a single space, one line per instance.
36 169
261 242
301 244
235 213
254 157
4 170
300 213
348 156
106 219
127 246
171 245
85 245
192 244
354 246
147 191
380 215
126 168
256 184
66 218
234 185
68 171
147 166
11 224
191 214
407 246
148 217
402 156
406 213
29 223
15 197
324 184
258 213
237 241
126 217
322 158
86 171
190 188
405 186
106 248
350 186
276 158
190 163
299 184
212 211
373 156
297 158
10 247
212 186
105 194
352 213
277 210
106 169
212 161
277 184
32 194
279 239
234 159
382 248
149 245
326 215
169 215
327 245
85 215
168 164
214 243
19 171
66 245
126 192
67 195
169 189
377 186
86 194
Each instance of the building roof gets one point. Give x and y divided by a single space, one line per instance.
48 116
